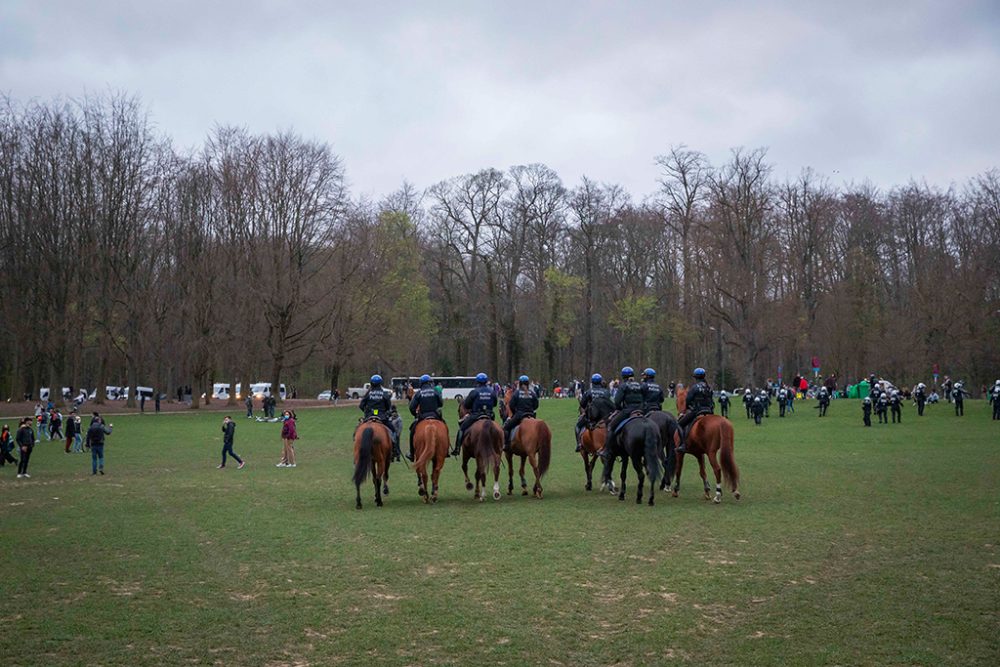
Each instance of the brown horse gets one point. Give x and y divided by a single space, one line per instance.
532 441
372 453
484 443
681 393
430 445
592 440
711 435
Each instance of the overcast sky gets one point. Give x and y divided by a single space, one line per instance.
423 91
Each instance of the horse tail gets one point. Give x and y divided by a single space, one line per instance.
651 440
730 473
364 464
486 455
544 448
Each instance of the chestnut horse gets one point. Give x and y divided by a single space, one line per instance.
430 445
592 439
484 443
710 435
372 453
532 441
681 393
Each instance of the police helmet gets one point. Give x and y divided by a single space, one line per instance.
376 380
523 379
756 399
425 378
481 378
627 372
649 372
699 373
723 394
747 391
597 379
867 400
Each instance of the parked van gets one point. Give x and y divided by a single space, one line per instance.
262 389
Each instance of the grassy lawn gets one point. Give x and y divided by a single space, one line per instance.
851 546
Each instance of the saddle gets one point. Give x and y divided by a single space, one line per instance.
631 415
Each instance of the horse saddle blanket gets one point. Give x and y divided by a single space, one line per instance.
635 414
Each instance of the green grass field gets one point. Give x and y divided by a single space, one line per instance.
851 546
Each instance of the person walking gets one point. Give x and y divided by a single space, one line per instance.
70 431
288 437
866 411
25 442
157 402
249 402
228 431
77 432
55 425
6 445
95 440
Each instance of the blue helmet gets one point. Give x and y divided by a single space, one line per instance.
425 378
481 378
649 372
699 373
596 378
524 378
627 372
376 379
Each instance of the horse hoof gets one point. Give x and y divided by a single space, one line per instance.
651 503
737 495
468 486
588 488
434 499
421 492
385 490
673 493
496 495
426 499
524 492
378 503
358 506
622 497
482 498
717 499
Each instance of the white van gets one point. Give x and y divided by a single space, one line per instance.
221 390
262 389
141 391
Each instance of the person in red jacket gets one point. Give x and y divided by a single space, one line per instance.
803 386
288 437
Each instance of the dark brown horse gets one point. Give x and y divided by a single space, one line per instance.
711 435
484 443
532 441
592 440
372 453
430 445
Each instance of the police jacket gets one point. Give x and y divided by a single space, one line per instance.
724 398
652 396
919 395
481 401
699 398
958 394
523 402
377 403
596 403
428 401
629 396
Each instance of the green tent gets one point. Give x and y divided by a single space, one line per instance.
859 390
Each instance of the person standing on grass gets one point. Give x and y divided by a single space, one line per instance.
6 444
70 431
249 402
95 440
55 425
228 431
77 433
288 437
25 442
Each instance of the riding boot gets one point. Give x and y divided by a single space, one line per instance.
458 444
506 442
409 457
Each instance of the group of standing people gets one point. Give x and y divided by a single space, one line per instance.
25 440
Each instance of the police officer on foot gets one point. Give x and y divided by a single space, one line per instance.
595 405
481 402
920 396
699 402
629 398
523 403
652 393
377 404
425 404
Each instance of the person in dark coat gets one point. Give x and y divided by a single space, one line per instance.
480 403
6 446
95 440
920 398
757 410
595 405
25 439
425 404
523 404
896 407
628 398
958 395
228 434
724 403
377 404
866 411
698 402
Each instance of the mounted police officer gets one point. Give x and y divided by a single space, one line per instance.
425 404
481 402
523 403
377 404
652 393
699 402
595 405
628 399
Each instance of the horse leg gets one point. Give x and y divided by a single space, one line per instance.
524 482
357 497
679 456
537 488
704 477
385 475
496 479
641 474
465 470
717 469
378 489
621 491
510 474
588 470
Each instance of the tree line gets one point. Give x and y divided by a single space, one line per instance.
126 261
